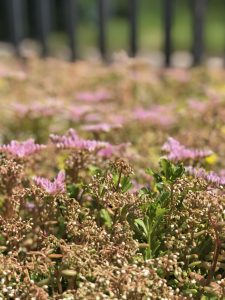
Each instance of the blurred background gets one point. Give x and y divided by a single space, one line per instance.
150 27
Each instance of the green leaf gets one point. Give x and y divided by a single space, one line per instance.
94 170
159 187
73 190
156 245
140 223
178 172
160 211
148 254
194 264
144 191
115 179
157 177
106 217
126 184
102 190
191 291
166 167
149 171
163 197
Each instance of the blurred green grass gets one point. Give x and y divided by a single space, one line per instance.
150 29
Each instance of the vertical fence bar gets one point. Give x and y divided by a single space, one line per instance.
199 9
16 26
102 15
71 25
168 6
133 9
43 24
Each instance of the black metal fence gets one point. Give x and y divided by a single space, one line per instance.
40 12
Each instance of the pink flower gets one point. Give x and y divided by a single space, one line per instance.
156 115
76 112
72 141
30 206
178 152
8 73
197 105
52 187
93 117
94 96
101 127
211 177
37 109
115 118
214 104
180 75
136 187
22 149
110 150
222 173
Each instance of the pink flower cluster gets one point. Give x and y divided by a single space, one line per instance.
101 127
156 115
178 152
8 73
22 149
179 74
72 140
93 96
37 109
77 112
52 187
211 177
198 106
110 150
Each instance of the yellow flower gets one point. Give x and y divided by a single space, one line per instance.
212 159
223 129
61 161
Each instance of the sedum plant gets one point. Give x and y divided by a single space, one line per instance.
80 215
